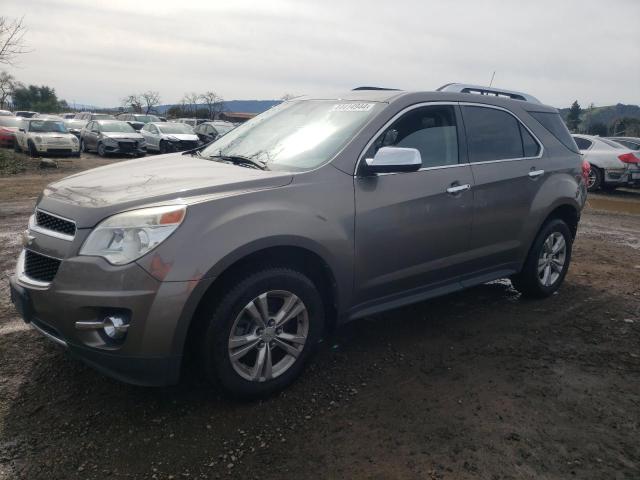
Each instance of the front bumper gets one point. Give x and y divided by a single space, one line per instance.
56 149
125 148
84 289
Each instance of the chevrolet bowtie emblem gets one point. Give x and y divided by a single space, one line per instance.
27 238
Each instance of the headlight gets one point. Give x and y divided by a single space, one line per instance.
127 236
109 141
74 139
37 139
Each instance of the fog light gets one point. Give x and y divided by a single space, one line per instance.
115 327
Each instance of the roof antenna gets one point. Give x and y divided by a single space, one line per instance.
492 75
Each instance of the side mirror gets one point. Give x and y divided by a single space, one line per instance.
394 159
21 130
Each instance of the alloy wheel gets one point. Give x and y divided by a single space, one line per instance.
268 335
592 178
552 259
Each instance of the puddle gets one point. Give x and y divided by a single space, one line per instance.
613 204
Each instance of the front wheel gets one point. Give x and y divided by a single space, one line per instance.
33 151
101 150
262 332
548 261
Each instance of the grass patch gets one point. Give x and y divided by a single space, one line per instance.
11 163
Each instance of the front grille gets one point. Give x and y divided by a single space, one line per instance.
57 224
39 267
126 146
187 144
59 151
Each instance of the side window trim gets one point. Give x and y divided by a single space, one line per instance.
520 122
462 159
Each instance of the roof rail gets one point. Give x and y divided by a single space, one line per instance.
373 88
495 92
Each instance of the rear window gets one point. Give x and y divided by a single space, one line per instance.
583 143
554 124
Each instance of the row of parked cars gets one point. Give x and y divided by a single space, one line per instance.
126 133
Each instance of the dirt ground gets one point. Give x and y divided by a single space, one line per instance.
477 385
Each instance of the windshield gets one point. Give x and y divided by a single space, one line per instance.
102 116
146 118
9 121
222 129
175 128
296 136
116 127
55 126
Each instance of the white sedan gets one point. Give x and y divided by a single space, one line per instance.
612 164
167 137
39 136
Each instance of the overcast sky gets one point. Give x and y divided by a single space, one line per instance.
98 52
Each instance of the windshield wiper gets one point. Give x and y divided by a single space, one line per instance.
241 160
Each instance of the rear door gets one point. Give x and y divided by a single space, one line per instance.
413 229
508 170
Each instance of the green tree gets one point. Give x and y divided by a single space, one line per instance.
573 117
39 98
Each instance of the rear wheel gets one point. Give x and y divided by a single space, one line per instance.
595 179
261 333
548 261
83 146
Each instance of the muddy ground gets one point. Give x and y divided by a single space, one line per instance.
481 385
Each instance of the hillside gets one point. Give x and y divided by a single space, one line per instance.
246 106
606 115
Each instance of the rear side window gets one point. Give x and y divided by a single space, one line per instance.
583 143
554 124
530 146
493 134
611 144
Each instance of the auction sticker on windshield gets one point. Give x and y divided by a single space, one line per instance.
352 107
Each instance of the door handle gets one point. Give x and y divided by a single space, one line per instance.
458 188
536 173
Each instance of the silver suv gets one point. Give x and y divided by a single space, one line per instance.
314 213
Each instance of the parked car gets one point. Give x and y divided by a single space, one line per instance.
68 116
314 213
209 131
138 120
191 121
25 114
6 113
632 143
88 116
37 136
8 127
169 137
107 137
612 164
75 126
48 116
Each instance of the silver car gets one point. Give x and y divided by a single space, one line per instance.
165 137
317 212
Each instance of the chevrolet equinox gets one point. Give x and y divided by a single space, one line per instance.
314 213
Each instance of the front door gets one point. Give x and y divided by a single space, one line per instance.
412 230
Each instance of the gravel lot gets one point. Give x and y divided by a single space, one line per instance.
479 384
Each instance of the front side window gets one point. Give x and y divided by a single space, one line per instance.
297 135
431 130
492 134
583 143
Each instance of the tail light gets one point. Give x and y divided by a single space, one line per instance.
628 158
586 169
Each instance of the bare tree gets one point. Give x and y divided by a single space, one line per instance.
12 39
133 102
214 103
191 101
151 100
7 84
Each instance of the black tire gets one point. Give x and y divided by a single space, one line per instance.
101 151
16 147
528 281
163 147
595 180
33 152
218 321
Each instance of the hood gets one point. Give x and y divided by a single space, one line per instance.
180 136
90 196
131 135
